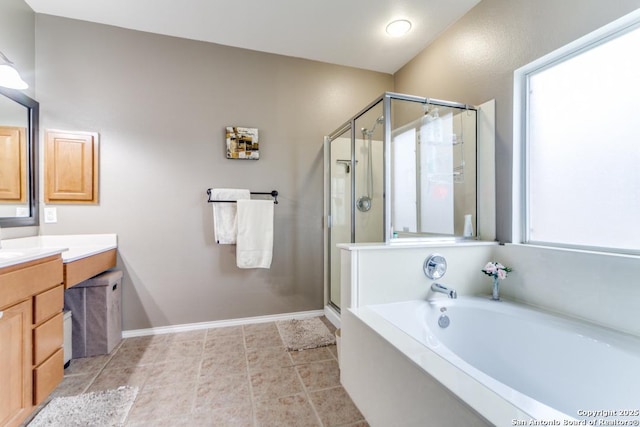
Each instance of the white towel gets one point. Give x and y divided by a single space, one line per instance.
225 220
255 234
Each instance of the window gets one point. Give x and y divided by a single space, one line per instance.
578 120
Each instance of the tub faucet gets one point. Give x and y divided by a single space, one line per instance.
437 287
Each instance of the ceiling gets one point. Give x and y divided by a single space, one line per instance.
344 32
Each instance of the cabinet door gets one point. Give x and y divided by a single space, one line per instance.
13 164
15 364
71 167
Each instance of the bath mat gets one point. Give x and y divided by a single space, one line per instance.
102 408
305 334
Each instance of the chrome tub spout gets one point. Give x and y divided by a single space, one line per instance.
437 287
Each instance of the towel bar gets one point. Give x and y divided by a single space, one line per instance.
273 194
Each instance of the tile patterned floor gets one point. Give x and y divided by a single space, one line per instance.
232 376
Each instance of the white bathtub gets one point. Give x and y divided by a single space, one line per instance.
548 367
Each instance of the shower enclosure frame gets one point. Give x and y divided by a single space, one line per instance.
350 125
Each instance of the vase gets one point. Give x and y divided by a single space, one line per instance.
496 289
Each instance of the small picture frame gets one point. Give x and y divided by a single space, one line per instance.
242 143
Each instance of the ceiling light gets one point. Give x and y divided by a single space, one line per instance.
398 28
9 76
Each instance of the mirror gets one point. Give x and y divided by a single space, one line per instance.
434 266
18 159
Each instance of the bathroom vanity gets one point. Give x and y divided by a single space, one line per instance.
31 300
34 272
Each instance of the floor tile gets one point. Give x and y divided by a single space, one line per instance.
294 411
267 358
261 340
186 336
274 383
237 416
110 379
231 376
319 375
87 365
224 331
171 372
73 385
134 356
145 341
260 328
181 350
180 421
334 351
311 355
335 407
224 343
362 423
224 363
160 402
332 328
222 392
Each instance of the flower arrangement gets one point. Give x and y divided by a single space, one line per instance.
495 269
498 272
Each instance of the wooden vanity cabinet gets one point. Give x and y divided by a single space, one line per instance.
80 270
31 355
15 363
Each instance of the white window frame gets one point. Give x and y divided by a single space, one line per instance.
520 113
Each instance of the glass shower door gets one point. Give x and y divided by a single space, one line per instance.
369 176
340 205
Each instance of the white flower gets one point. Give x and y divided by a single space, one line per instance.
495 269
490 268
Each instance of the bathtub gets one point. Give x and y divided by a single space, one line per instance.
549 368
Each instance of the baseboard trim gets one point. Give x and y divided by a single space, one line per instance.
332 314
220 323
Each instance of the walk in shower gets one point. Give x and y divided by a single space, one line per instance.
403 168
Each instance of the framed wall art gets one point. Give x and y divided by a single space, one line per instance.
242 143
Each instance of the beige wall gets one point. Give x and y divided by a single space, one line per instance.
17 39
473 61
161 105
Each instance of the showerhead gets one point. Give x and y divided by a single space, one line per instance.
431 112
369 132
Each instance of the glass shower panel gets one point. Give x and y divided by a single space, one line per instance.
433 161
340 207
435 136
369 175
465 164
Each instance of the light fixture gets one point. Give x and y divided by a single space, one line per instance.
398 28
9 76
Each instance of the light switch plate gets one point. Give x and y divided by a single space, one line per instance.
22 212
50 215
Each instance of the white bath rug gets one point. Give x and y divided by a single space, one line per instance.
305 334
102 408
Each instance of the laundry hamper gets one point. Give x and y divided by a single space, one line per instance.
97 314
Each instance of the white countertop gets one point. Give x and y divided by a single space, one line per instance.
72 247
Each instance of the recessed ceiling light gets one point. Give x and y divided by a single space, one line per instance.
398 28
